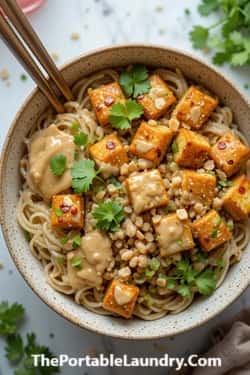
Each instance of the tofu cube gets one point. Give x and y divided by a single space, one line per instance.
211 231
120 298
200 186
67 211
194 108
236 200
191 149
146 190
151 142
109 151
103 97
173 235
229 153
158 100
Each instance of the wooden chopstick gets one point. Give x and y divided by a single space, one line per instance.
18 47
27 33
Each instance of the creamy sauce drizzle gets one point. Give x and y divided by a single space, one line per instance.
122 295
169 233
43 147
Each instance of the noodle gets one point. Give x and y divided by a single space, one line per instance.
33 213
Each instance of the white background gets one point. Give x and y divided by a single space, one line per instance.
100 23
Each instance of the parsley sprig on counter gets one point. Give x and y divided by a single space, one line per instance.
121 115
108 216
231 37
83 173
135 81
17 350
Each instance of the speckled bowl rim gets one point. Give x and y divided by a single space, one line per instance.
6 145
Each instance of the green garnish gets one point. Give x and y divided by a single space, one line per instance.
81 139
64 240
23 77
218 222
18 352
214 233
121 115
174 147
201 256
76 241
171 283
76 262
231 43
135 81
113 181
154 264
230 225
149 274
184 291
75 127
205 282
179 242
224 183
58 164
58 212
83 173
221 263
109 215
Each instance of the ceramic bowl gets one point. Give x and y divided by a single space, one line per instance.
201 310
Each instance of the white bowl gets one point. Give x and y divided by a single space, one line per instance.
202 309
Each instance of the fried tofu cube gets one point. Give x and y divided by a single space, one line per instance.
200 186
109 151
120 298
103 97
211 231
195 107
158 100
173 235
67 211
236 200
229 153
151 142
191 149
146 190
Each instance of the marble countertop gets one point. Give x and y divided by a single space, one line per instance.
99 23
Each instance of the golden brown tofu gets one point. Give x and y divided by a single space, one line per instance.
200 186
109 151
229 153
103 97
151 142
173 235
158 100
195 107
120 298
211 231
236 200
146 190
67 211
191 149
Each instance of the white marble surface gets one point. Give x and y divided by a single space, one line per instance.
100 23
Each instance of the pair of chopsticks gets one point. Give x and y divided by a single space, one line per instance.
20 37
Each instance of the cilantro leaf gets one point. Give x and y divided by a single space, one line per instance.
76 261
83 173
58 164
121 115
205 282
14 348
81 139
208 6
199 36
171 283
9 317
154 264
135 81
76 241
109 215
184 291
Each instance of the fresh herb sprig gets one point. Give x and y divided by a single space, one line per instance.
83 173
109 215
58 164
121 115
18 351
135 81
231 39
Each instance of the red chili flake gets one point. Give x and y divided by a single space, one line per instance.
64 208
242 190
60 220
110 145
74 210
109 101
230 162
222 145
99 107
